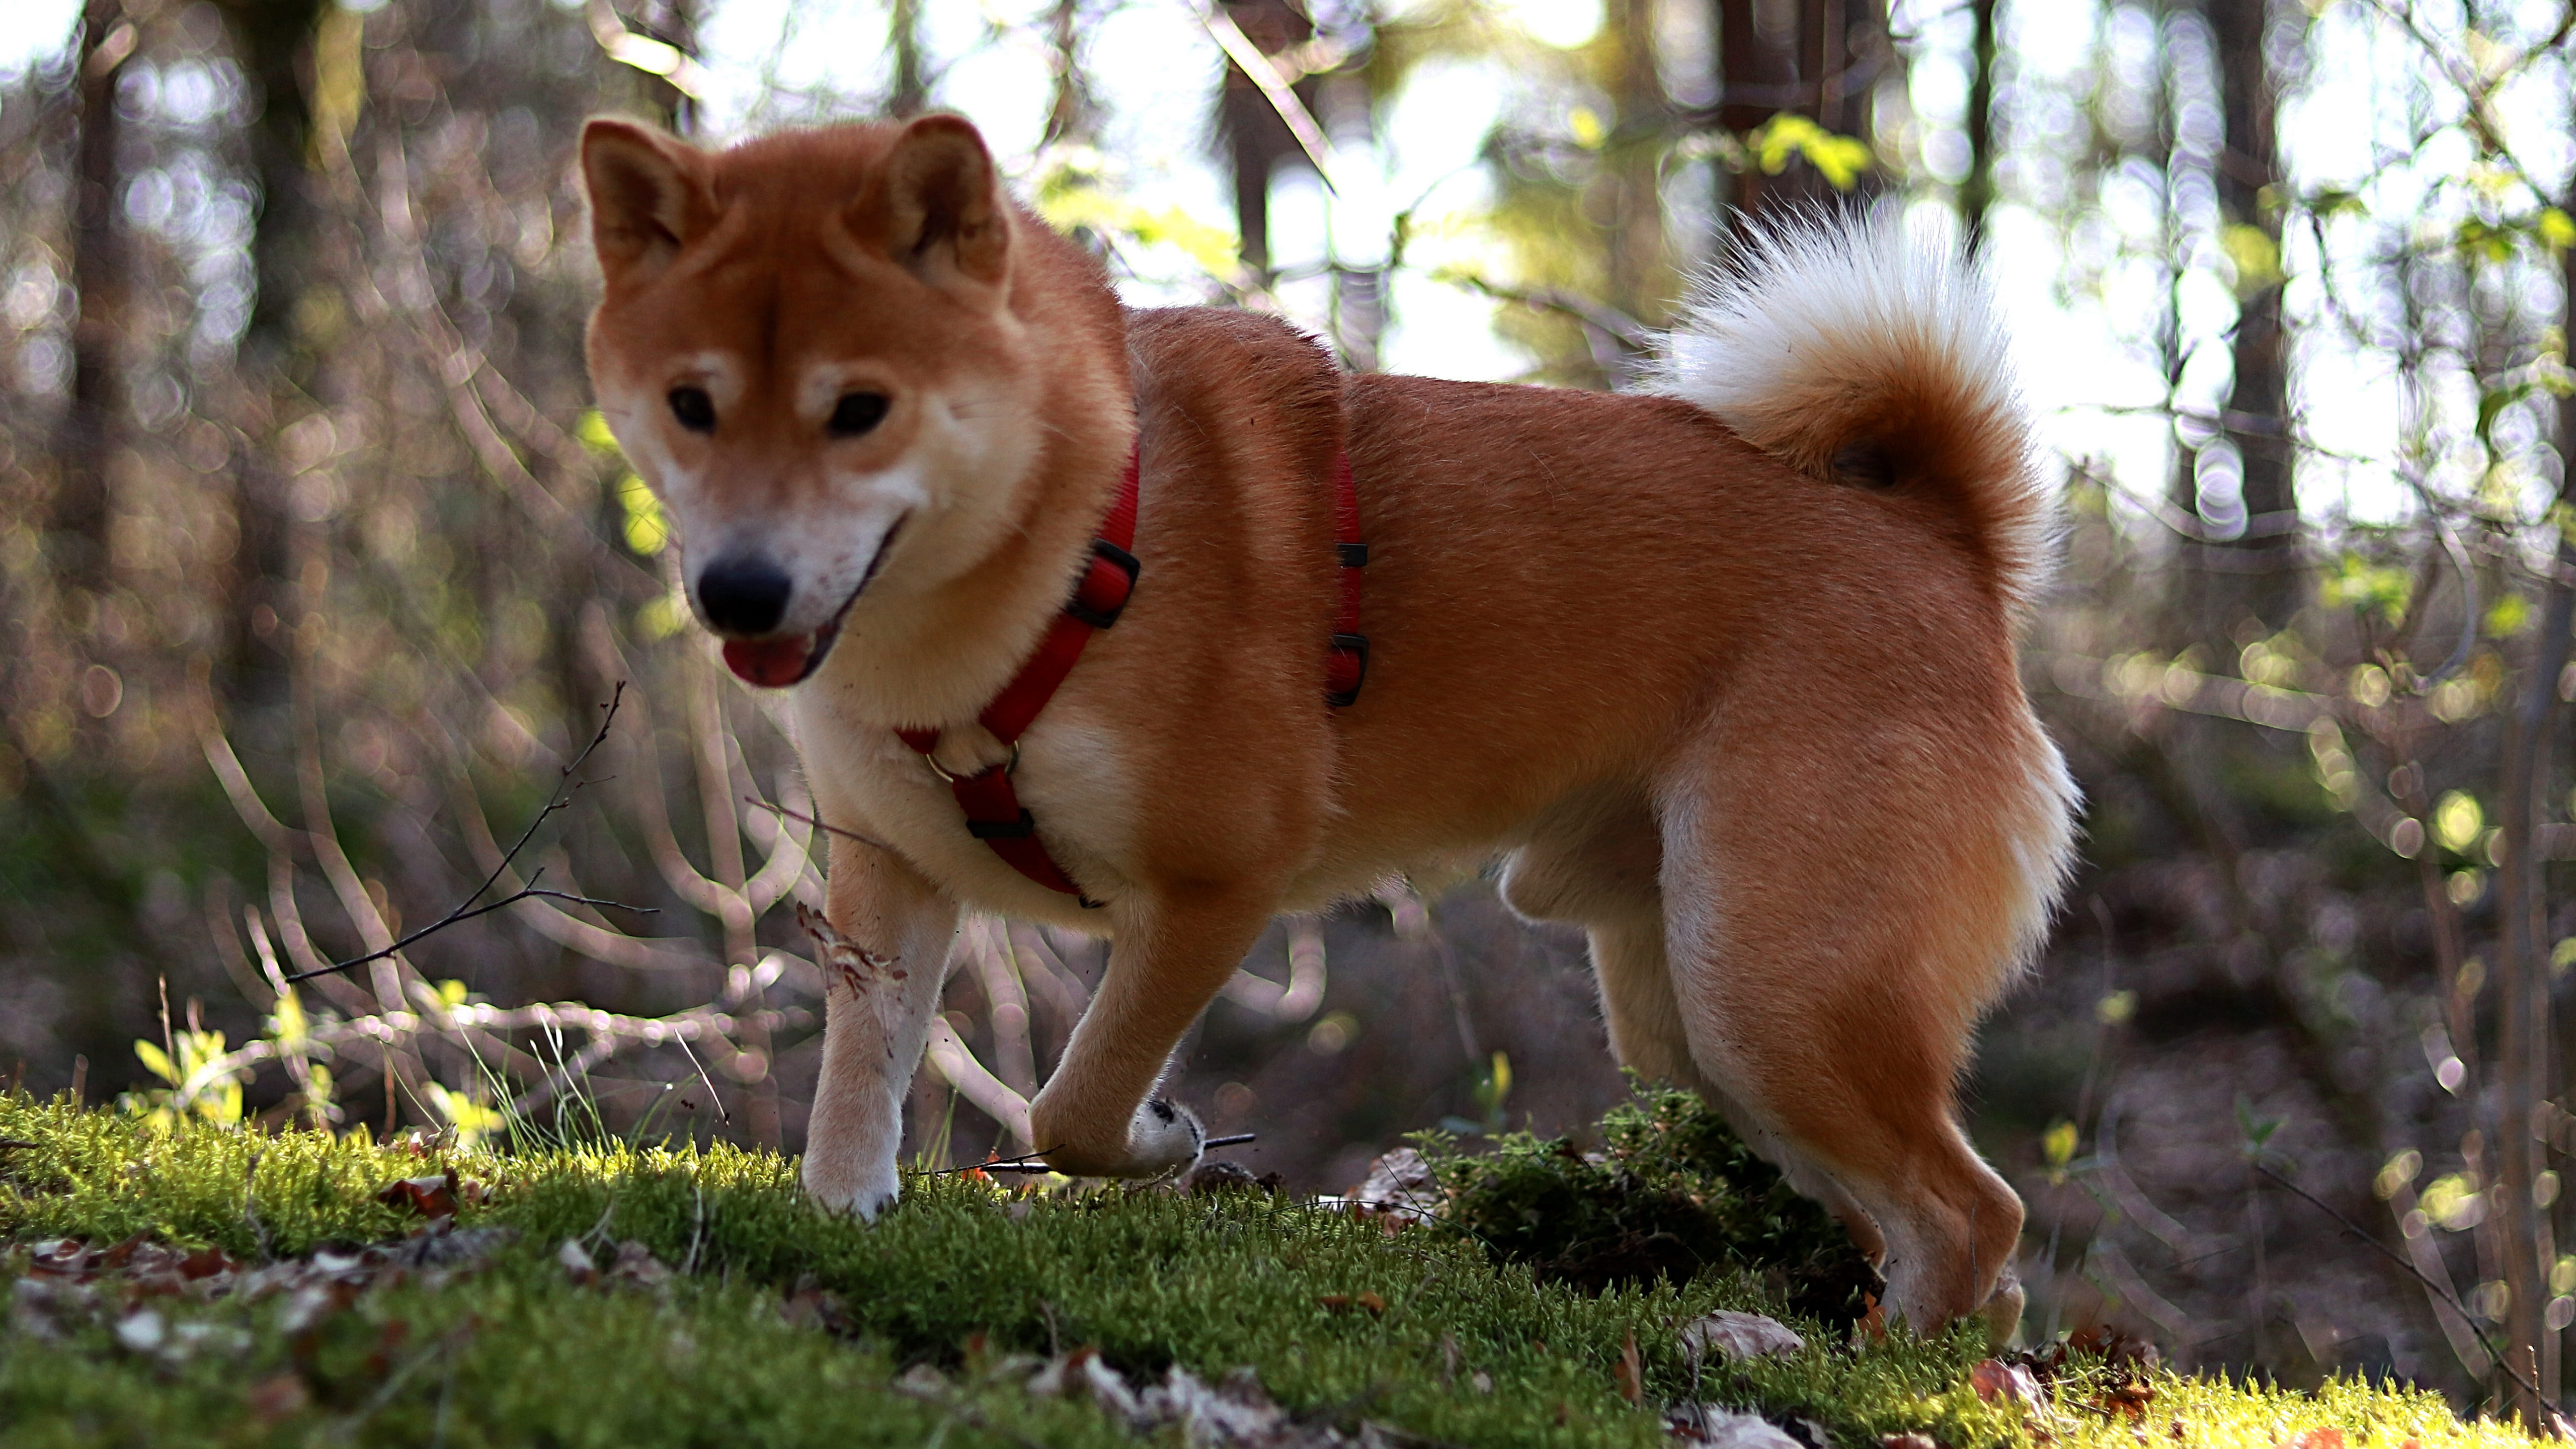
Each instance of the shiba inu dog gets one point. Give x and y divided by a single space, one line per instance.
1724 674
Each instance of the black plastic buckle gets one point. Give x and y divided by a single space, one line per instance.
1117 558
1357 646
1354 555
1020 829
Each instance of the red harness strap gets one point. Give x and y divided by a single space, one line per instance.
1347 668
994 813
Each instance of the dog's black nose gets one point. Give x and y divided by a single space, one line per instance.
745 594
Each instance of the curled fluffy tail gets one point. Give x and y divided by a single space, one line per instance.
1857 353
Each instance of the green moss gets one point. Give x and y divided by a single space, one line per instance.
1419 1331
1673 1194
517 1358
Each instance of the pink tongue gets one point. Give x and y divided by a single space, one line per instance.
774 663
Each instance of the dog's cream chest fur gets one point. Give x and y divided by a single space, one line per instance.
1072 777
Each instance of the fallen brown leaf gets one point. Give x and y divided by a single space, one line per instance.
636 1264
2104 1342
808 1305
1218 1177
1998 1382
1732 1335
1400 1184
431 1197
2129 1399
279 1396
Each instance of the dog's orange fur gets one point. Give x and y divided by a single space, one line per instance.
1751 723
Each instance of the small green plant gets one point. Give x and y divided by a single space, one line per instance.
1493 1089
201 1085
468 1118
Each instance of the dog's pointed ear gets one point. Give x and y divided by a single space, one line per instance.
935 205
648 196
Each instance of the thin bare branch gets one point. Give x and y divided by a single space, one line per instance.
1274 87
2442 1290
567 786
817 822
1030 1162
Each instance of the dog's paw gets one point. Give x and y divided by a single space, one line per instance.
868 1194
1167 1138
2003 1311
1162 1139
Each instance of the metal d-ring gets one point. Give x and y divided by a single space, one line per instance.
1010 766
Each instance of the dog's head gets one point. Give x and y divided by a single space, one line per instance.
812 348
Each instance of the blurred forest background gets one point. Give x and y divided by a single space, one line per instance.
316 573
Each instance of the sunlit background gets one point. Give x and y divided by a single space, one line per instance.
2120 288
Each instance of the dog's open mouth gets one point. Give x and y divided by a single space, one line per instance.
779 660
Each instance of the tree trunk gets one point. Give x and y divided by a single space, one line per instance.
1757 62
1977 192
1071 113
2523 993
1818 58
2267 585
1631 202
911 80
85 442
1255 139
1841 72
273 40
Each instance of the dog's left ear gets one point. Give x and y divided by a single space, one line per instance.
935 205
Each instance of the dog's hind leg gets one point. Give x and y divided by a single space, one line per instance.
884 954
1595 861
1592 860
1844 894
1096 1117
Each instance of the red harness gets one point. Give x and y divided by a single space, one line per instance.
994 813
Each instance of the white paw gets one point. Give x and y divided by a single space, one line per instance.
2003 1311
842 1189
1165 1139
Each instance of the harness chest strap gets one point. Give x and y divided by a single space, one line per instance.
1347 667
993 810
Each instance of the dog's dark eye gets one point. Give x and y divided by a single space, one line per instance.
695 410
857 412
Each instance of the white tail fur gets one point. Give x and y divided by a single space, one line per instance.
1827 333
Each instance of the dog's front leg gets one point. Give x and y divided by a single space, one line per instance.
1095 1118
884 955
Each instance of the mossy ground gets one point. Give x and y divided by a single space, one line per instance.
1673 1193
964 1279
